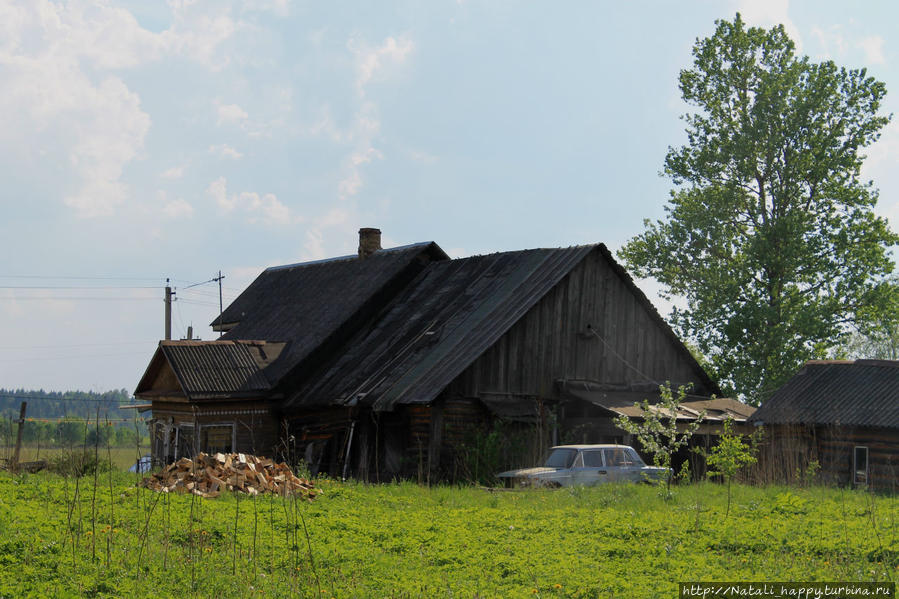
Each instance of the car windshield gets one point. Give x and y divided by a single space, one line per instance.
560 458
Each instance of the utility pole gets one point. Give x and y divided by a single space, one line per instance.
219 279
168 310
21 421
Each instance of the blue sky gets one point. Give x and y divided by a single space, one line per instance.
149 140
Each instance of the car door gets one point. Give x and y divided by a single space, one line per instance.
590 469
623 464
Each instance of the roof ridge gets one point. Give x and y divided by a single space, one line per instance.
521 251
349 256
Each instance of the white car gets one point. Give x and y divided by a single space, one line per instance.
570 465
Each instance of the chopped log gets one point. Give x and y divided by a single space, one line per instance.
208 475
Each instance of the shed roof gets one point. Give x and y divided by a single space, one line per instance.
859 393
622 401
310 303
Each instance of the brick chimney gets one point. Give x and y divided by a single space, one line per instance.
369 241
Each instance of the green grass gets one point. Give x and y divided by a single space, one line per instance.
408 541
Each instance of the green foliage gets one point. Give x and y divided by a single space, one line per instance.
770 233
484 453
80 405
408 541
80 462
68 419
729 455
657 432
790 503
877 338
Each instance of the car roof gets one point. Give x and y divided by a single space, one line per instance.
602 446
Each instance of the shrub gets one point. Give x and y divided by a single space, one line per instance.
79 462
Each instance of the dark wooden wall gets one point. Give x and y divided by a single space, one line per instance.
787 451
552 341
256 428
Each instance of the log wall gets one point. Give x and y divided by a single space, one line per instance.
625 343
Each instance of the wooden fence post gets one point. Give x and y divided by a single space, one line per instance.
15 456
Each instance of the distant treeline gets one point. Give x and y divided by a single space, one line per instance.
70 418
65 404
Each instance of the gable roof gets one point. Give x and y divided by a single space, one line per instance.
313 305
448 317
212 369
859 393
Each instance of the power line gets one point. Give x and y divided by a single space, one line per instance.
73 357
5 347
50 298
90 288
71 278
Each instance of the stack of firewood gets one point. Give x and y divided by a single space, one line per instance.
209 475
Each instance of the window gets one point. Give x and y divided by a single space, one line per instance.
217 438
617 457
633 457
593 459
560 458
185 448
860 466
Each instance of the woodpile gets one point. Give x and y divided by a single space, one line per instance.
209 475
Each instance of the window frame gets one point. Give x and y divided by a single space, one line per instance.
207 425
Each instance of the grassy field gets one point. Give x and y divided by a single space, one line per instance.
121 457
104 537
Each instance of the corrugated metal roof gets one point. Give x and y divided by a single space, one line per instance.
308 303
212 368
860 393
445 320
622 402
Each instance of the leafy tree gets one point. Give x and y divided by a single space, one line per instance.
878 339
770 234
657 431
729 455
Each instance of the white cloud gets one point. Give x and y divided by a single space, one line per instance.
225 151
832 41
230 113
56 63
371 61
280 8
260 208
175 172
873 49
218 189
177 208
768 13
198 32
314 248
96 127
331 234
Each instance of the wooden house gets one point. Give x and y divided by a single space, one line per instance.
400 362
837 420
